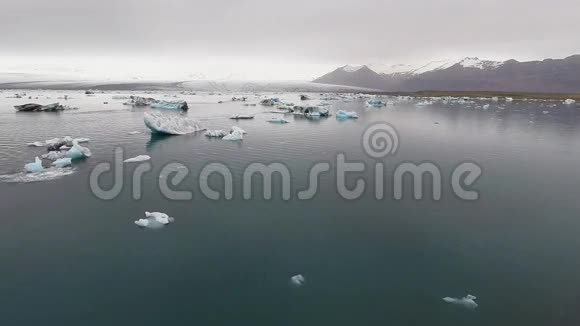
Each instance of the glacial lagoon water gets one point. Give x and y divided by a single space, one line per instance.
69 257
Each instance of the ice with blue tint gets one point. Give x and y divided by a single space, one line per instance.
35 166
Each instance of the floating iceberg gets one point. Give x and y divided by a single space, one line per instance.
33 107
133 133
270 102
297 280
235 135
77 151
241 117
346 115
310 111
170 105
236 128
569 101
140 101
138 158
216 133
376 103
486 106
170 124
62 162
467 302
34 167
509 99
278 120
154 220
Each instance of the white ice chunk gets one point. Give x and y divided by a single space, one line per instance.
159 217
34 167
234 128
53 155
82 140
62 162
154 220
171 124
278 120
36 144
235 135
569 101
467 301
216 133
138 158
78 151
298 280
133 132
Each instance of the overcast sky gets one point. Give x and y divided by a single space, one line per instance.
261 39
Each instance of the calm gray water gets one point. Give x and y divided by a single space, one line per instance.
70 258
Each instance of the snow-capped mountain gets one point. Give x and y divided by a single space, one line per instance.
464 74
411 70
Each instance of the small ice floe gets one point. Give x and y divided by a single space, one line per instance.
346 115
170 124
270 101
77 151
297 280
36 144
486 106
509 99
138 158
133 132
495 99
46 175
467 301
154 220
81 140
374 103
545 112
62 162
278 120
236 128
35 166
241 117
216 133
234 135
569 101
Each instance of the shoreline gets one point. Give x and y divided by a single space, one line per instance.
258 87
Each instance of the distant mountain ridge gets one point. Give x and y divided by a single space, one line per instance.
465 74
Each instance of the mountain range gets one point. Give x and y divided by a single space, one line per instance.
465 74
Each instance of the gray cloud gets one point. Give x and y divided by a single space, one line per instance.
323 31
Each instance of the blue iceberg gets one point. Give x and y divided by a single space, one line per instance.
77 151
346 115
34 167
62 162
